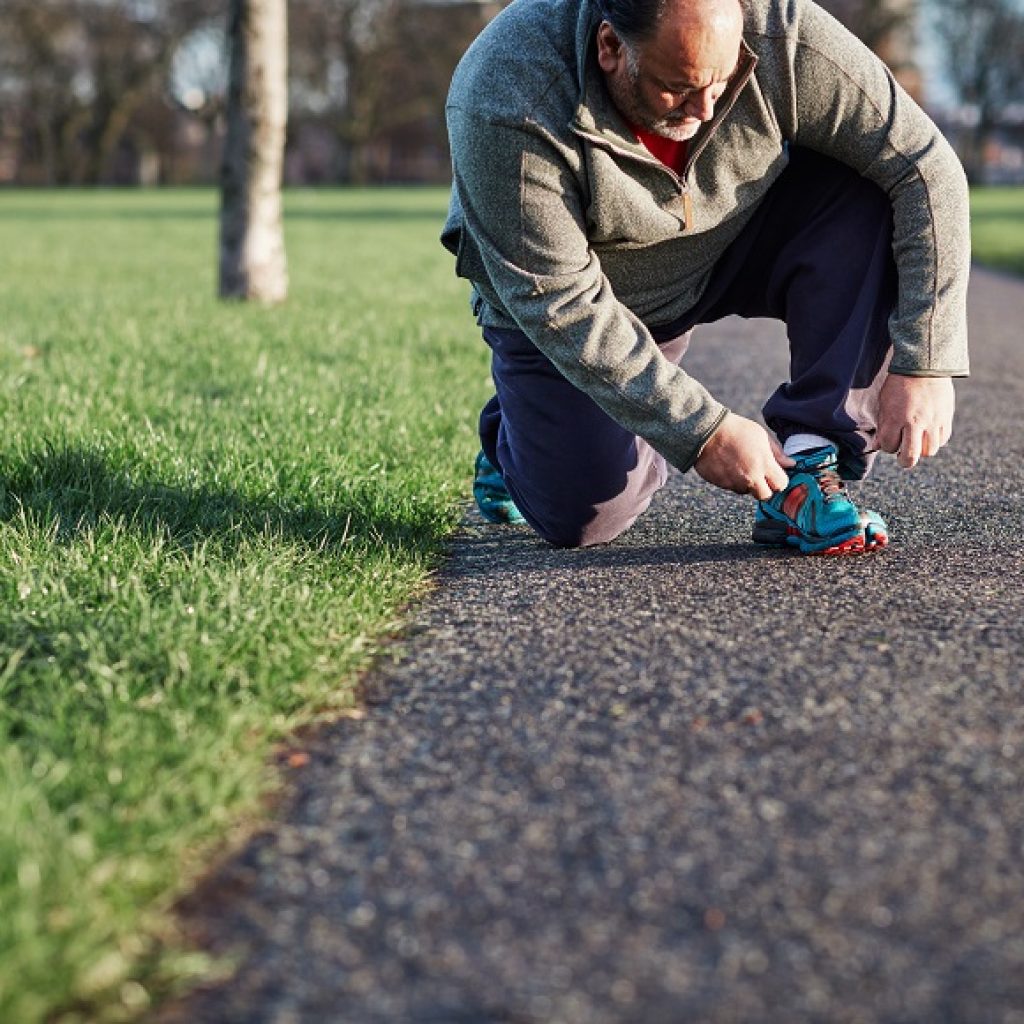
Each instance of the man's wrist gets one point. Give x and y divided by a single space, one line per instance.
703 443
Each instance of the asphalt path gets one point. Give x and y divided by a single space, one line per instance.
677 778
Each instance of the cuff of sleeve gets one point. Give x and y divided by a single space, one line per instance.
694 434
900 371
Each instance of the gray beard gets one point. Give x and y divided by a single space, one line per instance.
669 130
629 106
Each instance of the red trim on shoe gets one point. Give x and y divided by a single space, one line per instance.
856 546
793 501
853 546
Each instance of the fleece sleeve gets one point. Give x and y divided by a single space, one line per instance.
521 205
846 103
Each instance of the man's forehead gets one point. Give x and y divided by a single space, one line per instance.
701 11
701 35
705 21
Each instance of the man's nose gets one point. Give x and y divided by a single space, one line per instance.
701 105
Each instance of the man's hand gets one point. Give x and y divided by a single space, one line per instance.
915 416
742 456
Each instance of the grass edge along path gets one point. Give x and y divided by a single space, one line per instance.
209 516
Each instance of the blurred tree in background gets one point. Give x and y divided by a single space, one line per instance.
983 47
133 91
889 27
373 74
78 76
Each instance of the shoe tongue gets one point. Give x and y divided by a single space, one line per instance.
816 457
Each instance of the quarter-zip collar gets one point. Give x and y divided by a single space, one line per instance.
744 69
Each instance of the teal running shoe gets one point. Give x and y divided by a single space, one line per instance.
491 494
815 514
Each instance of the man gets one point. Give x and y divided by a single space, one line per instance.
627 169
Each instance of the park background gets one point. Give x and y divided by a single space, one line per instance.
213 515
131 92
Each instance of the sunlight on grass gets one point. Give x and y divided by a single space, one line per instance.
209 515
997 227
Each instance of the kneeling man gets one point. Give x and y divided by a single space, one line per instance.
625 170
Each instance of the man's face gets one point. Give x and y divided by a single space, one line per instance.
669 84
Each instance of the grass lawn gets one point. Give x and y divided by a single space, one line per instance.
209 516
997 227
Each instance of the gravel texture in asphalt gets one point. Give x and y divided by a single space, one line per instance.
678 778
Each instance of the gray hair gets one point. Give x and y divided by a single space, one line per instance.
633 20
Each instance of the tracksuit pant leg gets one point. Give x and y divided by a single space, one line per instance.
817 254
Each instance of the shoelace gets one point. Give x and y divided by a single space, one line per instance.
830 482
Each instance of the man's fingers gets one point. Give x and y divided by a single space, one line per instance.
778 478
741 456
780 456
888 439
910 447
915 417
934 440
916 443
774 480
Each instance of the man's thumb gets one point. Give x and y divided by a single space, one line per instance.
780 456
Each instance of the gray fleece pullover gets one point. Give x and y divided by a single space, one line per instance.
571 231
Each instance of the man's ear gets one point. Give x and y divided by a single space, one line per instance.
611 51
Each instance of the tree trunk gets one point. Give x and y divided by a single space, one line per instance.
252 256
